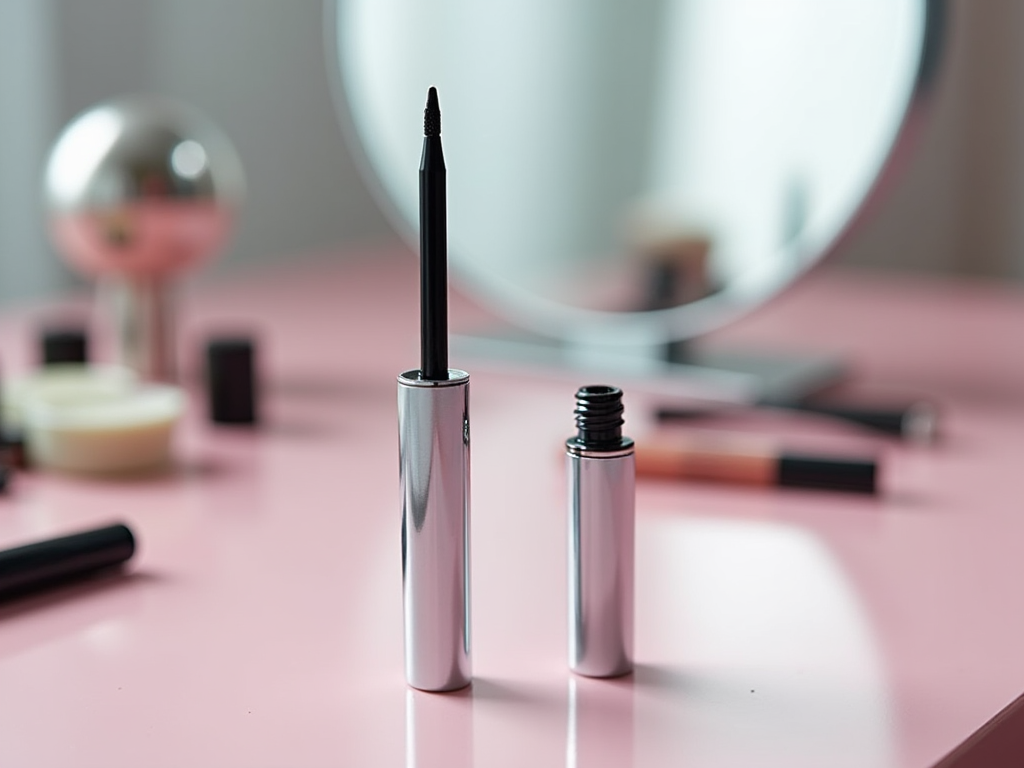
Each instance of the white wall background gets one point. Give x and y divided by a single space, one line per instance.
258 68
28 118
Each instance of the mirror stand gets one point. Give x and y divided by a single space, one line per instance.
685 370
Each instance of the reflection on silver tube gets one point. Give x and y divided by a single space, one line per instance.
601 535
433 428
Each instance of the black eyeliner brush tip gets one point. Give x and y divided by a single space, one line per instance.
432 114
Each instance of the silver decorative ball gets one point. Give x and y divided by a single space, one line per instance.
142 187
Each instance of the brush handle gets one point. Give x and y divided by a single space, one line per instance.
915 421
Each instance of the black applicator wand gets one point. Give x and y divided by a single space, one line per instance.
433 459
433 248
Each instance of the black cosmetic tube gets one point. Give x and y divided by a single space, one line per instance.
43 564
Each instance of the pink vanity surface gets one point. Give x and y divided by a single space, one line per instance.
260 623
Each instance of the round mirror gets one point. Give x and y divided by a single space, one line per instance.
638 172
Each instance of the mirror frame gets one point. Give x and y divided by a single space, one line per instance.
588 327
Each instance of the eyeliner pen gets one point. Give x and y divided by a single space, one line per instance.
433 447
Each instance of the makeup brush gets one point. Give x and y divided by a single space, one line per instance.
915 421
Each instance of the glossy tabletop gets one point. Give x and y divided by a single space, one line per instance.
260 622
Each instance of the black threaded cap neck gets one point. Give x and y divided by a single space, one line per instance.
599 416
432 114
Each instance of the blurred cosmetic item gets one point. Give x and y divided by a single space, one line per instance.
915 421
743 461
140 189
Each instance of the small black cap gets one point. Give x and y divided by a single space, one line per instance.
64 344
12 447
231 380
830 474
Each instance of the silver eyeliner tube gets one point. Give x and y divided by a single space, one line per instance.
602 483
433 437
